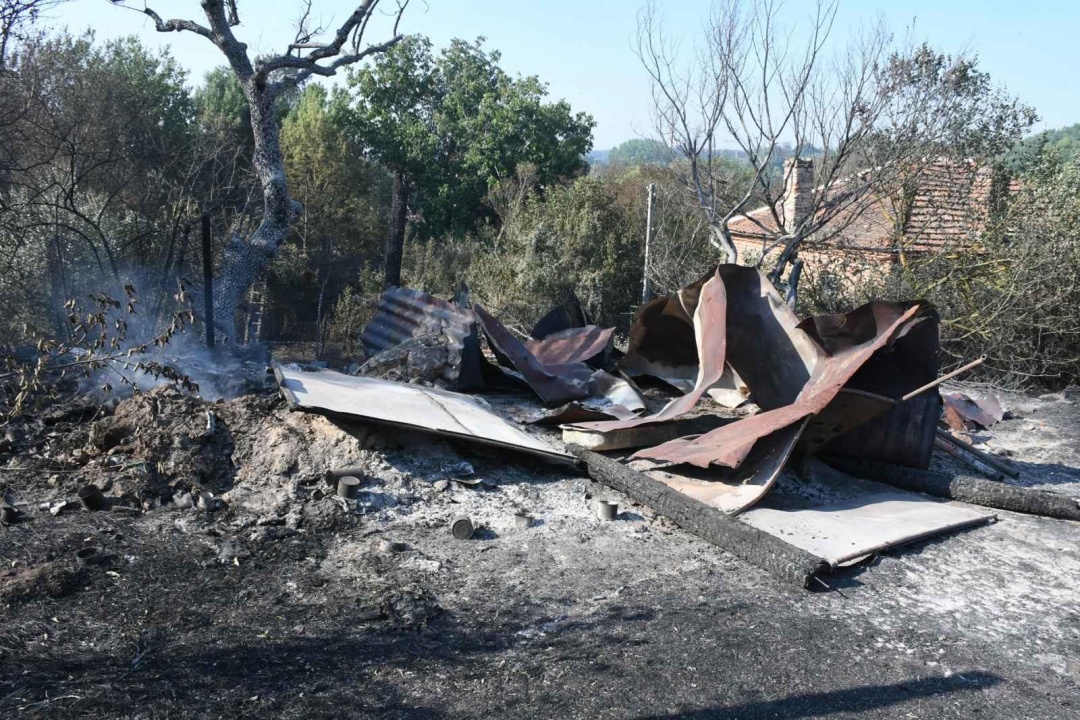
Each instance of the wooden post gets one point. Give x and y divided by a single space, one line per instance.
965 489
646 286
208 280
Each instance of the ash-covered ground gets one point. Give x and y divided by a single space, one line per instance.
232 583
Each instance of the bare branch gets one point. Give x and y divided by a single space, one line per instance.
352 31
175 25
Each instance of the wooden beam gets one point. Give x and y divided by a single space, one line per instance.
966 489
731 534
994 462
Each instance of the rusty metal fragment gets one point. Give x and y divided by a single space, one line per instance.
662 342
555 384
609 398
963 412
765 345
590 344
734 490
711 338
905 433
730 445
848 410
403 314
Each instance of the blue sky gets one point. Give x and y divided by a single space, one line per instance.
582 48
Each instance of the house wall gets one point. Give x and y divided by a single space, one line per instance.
850 267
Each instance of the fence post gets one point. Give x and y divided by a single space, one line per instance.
208 280
646 286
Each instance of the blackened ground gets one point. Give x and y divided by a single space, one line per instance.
307 615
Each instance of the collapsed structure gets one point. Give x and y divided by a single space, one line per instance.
859 387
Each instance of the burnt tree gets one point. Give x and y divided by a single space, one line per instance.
263 81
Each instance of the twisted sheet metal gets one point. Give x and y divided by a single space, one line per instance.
404 313
711 336
555 384
729 445
585 344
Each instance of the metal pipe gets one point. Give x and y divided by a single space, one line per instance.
943 378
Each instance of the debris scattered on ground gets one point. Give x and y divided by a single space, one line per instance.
251 475
963 412
438 411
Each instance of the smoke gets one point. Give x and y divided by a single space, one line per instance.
167 345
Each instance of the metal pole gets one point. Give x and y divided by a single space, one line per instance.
646 286
208 281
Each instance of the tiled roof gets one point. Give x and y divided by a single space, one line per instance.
950 206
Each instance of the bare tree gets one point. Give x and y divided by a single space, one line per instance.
16 17
263 81
871 118
753 85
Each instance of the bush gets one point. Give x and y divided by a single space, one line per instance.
572 238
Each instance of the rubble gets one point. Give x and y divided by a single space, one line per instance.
422 359
428 337
962 412
250 471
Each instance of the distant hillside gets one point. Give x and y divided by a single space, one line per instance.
638 152
1065 141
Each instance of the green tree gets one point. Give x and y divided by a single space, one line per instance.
339 234
449 127
98 153
641 151
1026 155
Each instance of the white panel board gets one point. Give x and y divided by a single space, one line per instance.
410 406
851 528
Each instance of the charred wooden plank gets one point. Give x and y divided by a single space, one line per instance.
966 489
754 546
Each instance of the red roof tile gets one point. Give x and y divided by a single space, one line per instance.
950 206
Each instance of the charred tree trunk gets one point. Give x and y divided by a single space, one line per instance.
748 543
395 241
262 81
976 491
246 258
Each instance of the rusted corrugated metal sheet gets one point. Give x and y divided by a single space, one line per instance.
904 434
735 490
404 313
589 344
729 445
710 331
765 345
662 341
555 384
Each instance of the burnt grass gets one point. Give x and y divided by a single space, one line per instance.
180 634
192 614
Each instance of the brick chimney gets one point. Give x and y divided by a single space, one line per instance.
798 192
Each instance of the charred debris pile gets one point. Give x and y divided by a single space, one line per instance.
798 445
